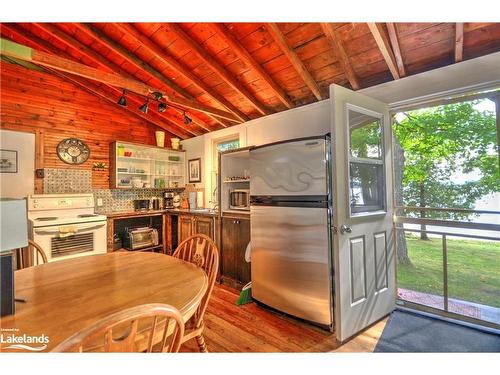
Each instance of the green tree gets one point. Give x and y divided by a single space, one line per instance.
434 144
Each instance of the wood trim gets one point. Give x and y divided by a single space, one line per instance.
384 46
39 158
90 87
339 51
296 62
160 54
393 37
459 41
218 68
248 59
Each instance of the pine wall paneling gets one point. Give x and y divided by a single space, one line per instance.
55 109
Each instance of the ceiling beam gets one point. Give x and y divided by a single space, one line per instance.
164 123
236 47
172 127
96 34
459 41
101 62
218 68
339 51
69 66
297 63
384 45
163 56
393 37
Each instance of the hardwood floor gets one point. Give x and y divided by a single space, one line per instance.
250 328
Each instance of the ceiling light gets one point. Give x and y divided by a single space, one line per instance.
123 100
162 107
187 120
144 108
157 95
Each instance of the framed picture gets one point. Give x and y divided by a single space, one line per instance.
8 161
194 169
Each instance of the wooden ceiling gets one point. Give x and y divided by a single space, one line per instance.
251 69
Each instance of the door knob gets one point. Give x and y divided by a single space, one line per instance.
345 229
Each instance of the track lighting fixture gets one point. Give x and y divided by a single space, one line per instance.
162 107
123 100
187 120
144 108
157 95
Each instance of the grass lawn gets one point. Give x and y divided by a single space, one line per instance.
473 269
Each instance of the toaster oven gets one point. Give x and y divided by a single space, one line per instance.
140 238
239 199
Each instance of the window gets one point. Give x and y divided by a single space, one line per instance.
228 145
366 163
220 145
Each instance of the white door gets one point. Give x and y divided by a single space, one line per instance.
363 246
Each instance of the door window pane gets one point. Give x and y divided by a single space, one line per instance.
366 165
365 136
367 187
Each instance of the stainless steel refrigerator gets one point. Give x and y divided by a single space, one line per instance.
290 195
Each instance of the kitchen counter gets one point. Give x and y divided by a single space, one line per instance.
171 211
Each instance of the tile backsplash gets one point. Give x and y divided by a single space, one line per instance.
117 200
59 180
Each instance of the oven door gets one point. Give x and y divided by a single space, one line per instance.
71 240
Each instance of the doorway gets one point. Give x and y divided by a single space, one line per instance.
447 209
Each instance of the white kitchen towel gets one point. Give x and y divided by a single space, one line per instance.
248 253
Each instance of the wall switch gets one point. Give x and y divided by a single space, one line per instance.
99 202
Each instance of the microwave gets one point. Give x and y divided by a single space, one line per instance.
239 199
139 238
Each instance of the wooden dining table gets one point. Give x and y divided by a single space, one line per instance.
61 298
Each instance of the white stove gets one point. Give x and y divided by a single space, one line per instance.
66 226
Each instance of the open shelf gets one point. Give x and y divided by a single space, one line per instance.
157 171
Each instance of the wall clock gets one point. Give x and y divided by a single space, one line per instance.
73 151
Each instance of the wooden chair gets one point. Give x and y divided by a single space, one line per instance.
27 255
100 334
201 251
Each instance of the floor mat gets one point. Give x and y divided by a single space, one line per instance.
411 333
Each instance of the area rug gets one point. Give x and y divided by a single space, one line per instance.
411 333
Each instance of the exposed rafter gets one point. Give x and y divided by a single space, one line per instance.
96 34
218 68
12 30
297 63
393 37
92 56
384 46
339 51
459 41
69 66
163 56
233 43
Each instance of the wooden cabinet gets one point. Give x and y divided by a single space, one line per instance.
204 225
185 227
195 224
235 238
